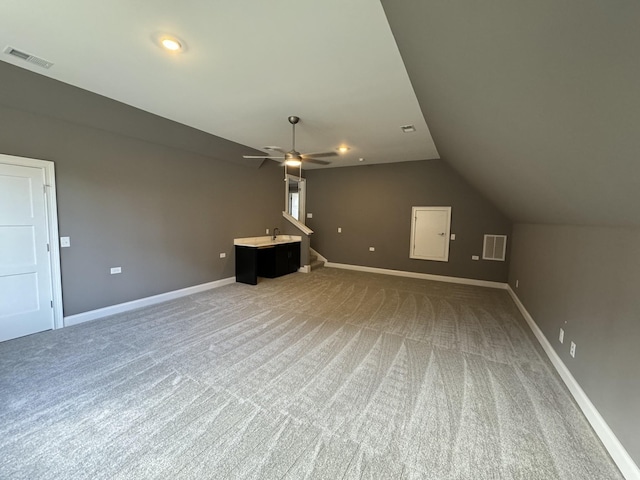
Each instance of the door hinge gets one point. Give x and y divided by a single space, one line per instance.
48 248
51 303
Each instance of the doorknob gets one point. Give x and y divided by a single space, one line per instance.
441 234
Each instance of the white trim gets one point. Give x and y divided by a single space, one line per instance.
423 276
144 302
299 225
52 224
618 453
305 269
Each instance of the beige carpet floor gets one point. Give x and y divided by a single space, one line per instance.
332 375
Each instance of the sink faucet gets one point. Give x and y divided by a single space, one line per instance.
276 231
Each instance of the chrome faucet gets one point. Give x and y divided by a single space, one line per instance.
276 231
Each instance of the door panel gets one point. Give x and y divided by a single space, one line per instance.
25 271
430 230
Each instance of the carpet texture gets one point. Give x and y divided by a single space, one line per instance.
332 375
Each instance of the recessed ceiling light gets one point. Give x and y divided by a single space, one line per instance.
171 43
343 149
361 159
408 128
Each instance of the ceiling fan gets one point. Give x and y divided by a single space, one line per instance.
294 158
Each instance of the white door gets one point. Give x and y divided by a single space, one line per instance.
430 231
26 301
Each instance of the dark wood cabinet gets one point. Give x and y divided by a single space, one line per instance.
246 261
268 262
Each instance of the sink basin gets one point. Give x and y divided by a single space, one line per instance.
266 241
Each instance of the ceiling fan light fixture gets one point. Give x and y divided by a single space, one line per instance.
293 162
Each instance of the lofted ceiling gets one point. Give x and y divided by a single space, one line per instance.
537 104
246 67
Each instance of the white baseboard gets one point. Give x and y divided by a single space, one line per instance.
618 453
144 302
423 276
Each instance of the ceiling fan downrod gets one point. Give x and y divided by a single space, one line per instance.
293 120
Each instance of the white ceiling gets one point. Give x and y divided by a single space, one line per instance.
248 65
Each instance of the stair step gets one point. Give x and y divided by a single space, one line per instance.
317 264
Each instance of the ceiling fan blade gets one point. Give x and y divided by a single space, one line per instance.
276 149
262 156
318 162
320 155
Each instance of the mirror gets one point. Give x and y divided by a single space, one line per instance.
295 197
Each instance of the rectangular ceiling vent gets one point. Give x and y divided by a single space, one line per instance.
495 247
27 57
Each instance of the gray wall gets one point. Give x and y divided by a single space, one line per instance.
162 213
585 280
373 204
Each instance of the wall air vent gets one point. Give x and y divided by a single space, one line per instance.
495 247
27 57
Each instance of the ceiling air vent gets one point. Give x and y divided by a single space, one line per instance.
27 57
495 247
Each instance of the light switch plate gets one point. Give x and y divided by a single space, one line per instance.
223 255
372 249
453 236
309 215
115 270
475 257
339 229
65 242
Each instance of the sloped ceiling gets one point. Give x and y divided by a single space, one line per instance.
536 103
245 68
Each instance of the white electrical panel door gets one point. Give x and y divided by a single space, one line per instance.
25 271
430 233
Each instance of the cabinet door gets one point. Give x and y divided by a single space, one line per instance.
246 259
282 259
267 262
294 257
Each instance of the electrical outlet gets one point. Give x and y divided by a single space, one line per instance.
372 249
115 270
339 229
267 232
475 257
517 283
223 255
561 336
453 236
572 351
65 242
309 215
